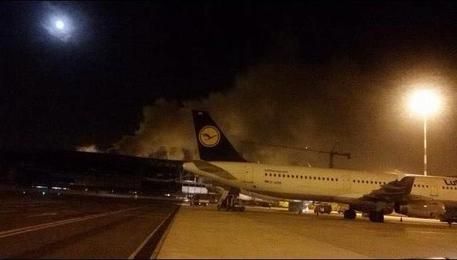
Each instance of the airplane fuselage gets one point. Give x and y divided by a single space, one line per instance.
307 183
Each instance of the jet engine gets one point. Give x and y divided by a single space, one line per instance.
421 209
369 206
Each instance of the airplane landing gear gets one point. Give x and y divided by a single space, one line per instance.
228 201
376 216
349 214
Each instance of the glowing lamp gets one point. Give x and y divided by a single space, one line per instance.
60 24
424 102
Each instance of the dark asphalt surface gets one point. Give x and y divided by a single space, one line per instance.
77 227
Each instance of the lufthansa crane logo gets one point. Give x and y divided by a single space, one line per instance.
209 136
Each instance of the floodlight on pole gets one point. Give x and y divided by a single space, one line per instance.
425 102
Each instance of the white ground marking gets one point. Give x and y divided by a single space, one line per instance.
18 231
132 256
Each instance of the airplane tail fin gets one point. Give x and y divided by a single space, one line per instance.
212 143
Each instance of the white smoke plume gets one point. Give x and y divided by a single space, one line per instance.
300 106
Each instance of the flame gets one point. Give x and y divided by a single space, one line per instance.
88 149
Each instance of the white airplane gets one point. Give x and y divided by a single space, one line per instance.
374 193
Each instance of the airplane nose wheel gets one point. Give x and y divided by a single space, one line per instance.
376 216
349 214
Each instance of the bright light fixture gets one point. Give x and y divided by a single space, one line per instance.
60 24
425 102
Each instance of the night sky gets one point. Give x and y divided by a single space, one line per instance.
297 73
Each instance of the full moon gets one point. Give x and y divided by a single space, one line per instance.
59 24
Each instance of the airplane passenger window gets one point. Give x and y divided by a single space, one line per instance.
336 179
301 176
314 177
319 178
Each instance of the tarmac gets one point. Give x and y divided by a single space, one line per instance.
204 232
71 227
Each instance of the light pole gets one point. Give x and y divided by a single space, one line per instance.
425 145
425 102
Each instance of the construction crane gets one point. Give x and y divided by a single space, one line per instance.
332 153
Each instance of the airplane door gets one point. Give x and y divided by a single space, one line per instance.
249 176
434 191
346 183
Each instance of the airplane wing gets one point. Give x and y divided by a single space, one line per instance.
392 192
